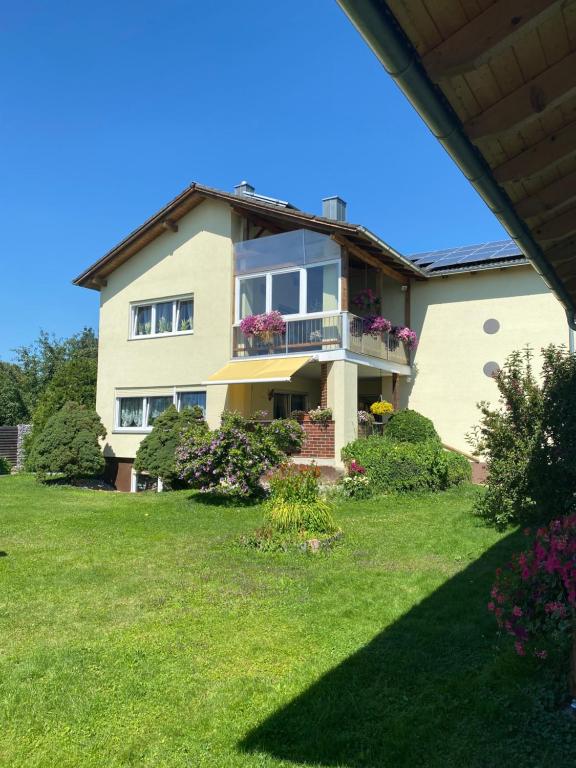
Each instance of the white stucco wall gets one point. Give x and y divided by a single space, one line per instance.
448 315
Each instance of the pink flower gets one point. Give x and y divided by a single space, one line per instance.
517 611
519 648
491 606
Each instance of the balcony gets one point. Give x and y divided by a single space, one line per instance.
328 333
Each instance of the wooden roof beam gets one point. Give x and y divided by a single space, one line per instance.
372 260
562 225
486 35
259 222
539 156
543 92
548 198
563 252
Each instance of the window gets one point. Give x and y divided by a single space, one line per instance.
306 290
131 412
286 402
252 296
190 399
140 413
156 406
286 292
322 288
163 317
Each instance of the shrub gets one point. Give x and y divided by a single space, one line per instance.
5 466
534 596
459 468
69 444
410 427
295 505
392 466
157 452
508 436
229 460
320 415
288 434
356 487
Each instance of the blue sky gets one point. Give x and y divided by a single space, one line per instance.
109 109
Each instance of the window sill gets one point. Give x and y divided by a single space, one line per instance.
160 335
132 431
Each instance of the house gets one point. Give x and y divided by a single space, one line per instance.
174 295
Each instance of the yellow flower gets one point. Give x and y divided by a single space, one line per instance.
381 408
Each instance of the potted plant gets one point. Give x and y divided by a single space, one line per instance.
264 326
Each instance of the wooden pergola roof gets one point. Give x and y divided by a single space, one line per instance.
496 83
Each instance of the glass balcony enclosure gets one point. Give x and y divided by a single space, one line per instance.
294 273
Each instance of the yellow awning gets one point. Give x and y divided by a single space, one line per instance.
254 371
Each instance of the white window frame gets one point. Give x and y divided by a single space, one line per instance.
144 429
302 313
152 303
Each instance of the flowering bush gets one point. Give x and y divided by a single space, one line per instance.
366 299
288 434
263 325
382 408
260 416
356 469
534 596
365 418
356 487
320 415
376 325
229 460
405 335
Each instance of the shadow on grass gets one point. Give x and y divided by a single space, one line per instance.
431 690
220 500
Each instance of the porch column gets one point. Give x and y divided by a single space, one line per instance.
216 402
342 392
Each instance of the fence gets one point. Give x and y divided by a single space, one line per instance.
12 444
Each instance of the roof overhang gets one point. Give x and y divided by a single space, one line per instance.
280 218
500 98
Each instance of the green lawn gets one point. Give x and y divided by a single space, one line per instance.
134 632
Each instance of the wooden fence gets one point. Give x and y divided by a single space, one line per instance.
9 443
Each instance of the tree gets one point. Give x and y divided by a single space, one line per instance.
13 410
69 444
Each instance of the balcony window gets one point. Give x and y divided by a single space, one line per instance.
252 296
286 293
322 288
160 318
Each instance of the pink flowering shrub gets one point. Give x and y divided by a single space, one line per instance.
376 325
366 299
261 325
356 468
406 335
534 596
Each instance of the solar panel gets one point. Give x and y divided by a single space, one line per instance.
466 254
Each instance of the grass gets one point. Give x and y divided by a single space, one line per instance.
135 632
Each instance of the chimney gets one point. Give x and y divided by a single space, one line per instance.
334 208
244 189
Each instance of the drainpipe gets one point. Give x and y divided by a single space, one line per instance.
571 339
379 28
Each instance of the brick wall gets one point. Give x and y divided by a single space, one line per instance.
319 443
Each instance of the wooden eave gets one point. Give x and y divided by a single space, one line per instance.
266 215
504 73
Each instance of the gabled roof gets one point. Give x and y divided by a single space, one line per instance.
266 210
470 258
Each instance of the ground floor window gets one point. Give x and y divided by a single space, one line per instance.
140 413
286 402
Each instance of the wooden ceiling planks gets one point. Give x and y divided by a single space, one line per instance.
508 69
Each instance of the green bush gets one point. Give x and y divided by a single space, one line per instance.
69 444
459 468
400 466
410 427
5 466
156 454
295 504
288 434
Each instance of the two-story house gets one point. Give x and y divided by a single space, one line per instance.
174 293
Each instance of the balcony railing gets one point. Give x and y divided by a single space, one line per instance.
322 334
